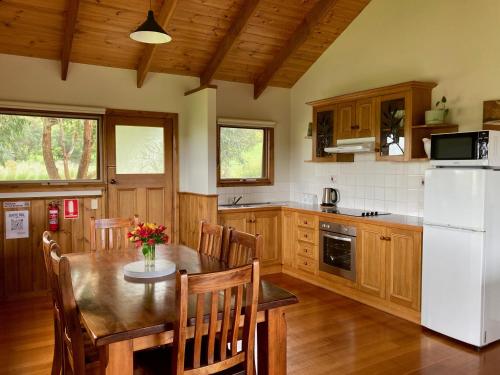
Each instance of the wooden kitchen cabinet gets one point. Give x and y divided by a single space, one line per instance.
347 120
371 260
288 237
404 261
266 223
238 220
389 264
365 118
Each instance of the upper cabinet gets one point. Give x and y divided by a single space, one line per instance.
391 114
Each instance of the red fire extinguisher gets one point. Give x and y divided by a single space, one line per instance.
53 216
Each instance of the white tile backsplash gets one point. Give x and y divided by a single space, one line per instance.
365 184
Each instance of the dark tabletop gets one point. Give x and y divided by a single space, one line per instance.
115 309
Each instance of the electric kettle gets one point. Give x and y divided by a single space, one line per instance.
331 197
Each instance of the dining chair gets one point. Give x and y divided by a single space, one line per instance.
116 236
58 349
210 239
240 248
217 352
80 356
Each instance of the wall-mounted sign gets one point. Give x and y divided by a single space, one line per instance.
20 204
71 209
16 224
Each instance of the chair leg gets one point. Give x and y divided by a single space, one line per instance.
57 357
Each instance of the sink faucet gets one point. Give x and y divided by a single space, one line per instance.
236 200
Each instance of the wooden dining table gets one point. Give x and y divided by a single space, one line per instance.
122 316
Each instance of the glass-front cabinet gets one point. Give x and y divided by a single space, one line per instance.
393 124
325 121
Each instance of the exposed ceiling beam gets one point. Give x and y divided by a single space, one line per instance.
163 18
189 92
246 12
69 32
299 36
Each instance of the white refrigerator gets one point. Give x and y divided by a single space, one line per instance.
461 254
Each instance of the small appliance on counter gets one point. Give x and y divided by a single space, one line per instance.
331 197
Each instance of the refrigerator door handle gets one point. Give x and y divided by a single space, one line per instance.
456 228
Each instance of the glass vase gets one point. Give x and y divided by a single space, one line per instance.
149 255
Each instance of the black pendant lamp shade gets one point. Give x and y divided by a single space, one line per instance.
150 32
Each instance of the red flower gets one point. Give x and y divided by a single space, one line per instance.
138 243
151 241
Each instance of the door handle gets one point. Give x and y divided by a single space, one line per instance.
113 181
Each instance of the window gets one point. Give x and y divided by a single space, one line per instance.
245 156
38 147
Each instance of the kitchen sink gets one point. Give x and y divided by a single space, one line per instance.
250 205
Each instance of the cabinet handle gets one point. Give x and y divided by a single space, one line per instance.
305 263
305 235
355 127
388 238
305 222
382 238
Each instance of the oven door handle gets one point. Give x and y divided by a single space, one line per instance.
347 239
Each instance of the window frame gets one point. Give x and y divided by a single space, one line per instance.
99 181
267 161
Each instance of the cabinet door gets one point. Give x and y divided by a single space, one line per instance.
238 220
365 118
288 238
393 123
347 120
371 260
268 224
323 131
404 258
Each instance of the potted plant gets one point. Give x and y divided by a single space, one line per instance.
438 115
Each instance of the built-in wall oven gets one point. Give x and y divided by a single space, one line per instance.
338 249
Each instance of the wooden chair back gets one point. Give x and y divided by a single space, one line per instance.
72 336
240 248
229 286
113 233
210 239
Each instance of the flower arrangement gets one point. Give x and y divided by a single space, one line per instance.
148 235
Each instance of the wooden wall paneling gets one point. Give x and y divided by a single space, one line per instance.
192 209
22 270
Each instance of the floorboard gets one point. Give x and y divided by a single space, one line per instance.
327 334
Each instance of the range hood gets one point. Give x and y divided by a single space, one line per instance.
354 145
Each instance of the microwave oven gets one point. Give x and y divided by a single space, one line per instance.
466 149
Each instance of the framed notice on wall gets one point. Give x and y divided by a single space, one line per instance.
16 224
71 209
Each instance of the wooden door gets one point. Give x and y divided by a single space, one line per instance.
288 238
237 220
371 260
140 168
365 118
404 257
268 224
347 119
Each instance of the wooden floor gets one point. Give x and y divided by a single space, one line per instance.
327 334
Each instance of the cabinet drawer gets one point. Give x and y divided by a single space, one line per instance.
306 221
306 264
306 250
307 235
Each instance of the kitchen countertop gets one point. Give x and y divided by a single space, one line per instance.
414 222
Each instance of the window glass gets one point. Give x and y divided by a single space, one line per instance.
139 149
38 148
241 153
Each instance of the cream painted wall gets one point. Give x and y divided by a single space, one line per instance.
197 142
39 81
450 42
236 100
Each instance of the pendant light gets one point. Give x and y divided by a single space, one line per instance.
150 32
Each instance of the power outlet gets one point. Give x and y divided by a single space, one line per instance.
93 204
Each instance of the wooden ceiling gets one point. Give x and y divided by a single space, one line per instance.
264 42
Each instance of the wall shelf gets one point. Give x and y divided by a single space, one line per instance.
425 131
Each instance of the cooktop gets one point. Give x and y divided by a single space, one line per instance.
352 211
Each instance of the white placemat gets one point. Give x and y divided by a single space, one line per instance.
139 270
